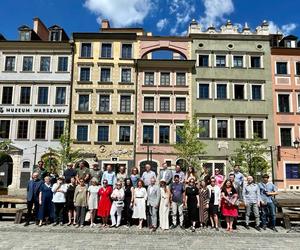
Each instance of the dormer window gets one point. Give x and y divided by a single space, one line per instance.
55 35
25 35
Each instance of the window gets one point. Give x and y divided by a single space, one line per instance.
221 91
85 74
27 63
62 64
149 104
86 50
281 68
103 132
4 129
149 78
45 64
164 134
124 134
83 102
178 137
286 137
60 98
256 92
40 130
240 129
204 126
10 63
284 103
106 50
165 78
82 133
203 60
105 75
26 164
255 61
22 129
221 61
104 103
25 95
180 104
165 104
148 132
238 61
297 68
125 104
55 35
42 96
258 129
239 92
203 91
126 51
25 35
126 75
222 128
59 127
7 94
292 171
180 79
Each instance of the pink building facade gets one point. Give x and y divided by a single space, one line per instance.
286 93
163 100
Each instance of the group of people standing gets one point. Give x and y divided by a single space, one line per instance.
84 194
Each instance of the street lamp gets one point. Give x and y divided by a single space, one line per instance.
296 144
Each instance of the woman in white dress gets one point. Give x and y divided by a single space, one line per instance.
93 199
117 206
139 203
164 207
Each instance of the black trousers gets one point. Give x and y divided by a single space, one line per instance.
80 215
59 211
32 205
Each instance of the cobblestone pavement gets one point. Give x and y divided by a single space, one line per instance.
14 236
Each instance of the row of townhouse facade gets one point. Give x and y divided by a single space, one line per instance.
123 107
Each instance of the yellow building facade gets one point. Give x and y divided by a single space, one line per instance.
103 95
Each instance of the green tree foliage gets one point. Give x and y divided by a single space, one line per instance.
251 157
64 154
189 147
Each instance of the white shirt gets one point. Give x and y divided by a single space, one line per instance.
59 197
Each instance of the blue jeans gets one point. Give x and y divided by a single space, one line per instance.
268 214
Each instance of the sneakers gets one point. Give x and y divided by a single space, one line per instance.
274 229
257 228
193 229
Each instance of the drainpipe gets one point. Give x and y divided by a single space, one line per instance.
136 108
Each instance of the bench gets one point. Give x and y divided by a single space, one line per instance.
18 212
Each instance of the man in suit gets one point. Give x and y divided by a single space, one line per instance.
33 191
165 174
153 193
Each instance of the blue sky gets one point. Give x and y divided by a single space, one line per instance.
162 17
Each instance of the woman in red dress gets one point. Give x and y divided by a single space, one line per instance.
104 204
228 199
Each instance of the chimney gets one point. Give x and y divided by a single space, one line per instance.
105 24
40 29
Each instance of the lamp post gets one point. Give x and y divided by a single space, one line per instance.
296 143
272 164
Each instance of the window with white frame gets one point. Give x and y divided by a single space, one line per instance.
22 132
62 65
104 102
203 60
180 79
297 68
106 50
239 91
103 133
180 104
25 95
40 130
286 137
45 63
7 95
5 129
43 93
164 134
126 75
203 91
149 78
220 61
86 50
238 61
105 75
256 91
283 103
124 133
125 103
58 129
85 73
82 133
164 104
222 129
258 129
27 63
165 78
149 103
148 133
60 97
221 91
83 102
204 125
255 61
10 63
281 68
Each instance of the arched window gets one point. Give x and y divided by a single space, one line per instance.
26 164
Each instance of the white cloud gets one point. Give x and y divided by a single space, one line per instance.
121 13
161 24
285 29
183 11
215 11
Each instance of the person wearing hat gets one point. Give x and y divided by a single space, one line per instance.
267 193
59 190
164 207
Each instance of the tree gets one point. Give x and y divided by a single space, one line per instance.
188 146
64 153
251 157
